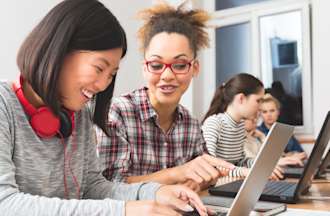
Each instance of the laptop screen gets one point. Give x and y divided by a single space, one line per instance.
325 163
315 158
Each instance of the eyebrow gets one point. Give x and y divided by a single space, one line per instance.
175 57
104 61
107 63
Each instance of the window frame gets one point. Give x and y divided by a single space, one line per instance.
251 14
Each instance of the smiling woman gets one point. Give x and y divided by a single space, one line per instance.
153 137
84 74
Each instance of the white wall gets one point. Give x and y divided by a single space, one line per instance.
321 63
130 73
17 18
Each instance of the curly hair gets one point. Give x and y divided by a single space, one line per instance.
165 18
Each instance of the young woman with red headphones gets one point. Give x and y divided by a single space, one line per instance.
48 161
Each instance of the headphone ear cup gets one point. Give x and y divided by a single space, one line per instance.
45 123
66 124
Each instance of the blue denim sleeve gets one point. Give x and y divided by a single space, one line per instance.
293 145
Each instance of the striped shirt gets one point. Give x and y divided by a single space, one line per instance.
225 139
138 146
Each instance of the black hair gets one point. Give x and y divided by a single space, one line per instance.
71 25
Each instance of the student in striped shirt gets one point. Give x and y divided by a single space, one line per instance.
223 124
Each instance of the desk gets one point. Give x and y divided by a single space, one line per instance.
319 188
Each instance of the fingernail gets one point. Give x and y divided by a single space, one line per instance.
188 208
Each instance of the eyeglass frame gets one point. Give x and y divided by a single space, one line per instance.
168 65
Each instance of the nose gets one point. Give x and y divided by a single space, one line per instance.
102 83
167 74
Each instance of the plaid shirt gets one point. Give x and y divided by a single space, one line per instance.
138 146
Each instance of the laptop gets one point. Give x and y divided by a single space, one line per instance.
262 168
285 191
318 151
324 167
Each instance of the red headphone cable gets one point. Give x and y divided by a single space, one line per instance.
67 158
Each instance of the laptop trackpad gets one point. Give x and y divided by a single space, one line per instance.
261 206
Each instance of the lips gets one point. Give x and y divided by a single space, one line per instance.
167 89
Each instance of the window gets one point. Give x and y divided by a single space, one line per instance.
270 40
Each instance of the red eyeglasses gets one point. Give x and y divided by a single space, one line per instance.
178 67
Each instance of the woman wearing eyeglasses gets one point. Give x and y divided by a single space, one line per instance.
154 138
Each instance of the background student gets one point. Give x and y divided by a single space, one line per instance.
270 110
153 137
255 139
48 163
223 124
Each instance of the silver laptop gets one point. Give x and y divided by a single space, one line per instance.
262 168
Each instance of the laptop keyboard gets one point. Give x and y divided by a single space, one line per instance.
273 188
279 188
195 213
294 170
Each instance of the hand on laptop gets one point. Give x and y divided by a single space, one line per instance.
170 200
277 174
192 185
203 170
180 198
290 160
299 155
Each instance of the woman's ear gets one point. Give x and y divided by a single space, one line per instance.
196 68
144 70
241 97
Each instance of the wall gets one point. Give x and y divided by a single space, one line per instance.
321 63
130 73
17 18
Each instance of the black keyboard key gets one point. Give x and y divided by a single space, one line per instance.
195 213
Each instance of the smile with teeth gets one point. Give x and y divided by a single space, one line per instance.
87 93
168 88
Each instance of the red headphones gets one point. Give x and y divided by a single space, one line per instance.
42 119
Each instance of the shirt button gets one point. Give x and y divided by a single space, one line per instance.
164 166
165 144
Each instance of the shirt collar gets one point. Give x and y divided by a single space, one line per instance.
231 121
147 111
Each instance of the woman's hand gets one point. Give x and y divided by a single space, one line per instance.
245 171
192 185
277 174
170 200
260 135
148 207
295 159
203 170
199 187
181 198
288 160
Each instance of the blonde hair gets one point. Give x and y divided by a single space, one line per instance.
165 18
269 98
